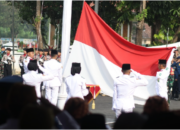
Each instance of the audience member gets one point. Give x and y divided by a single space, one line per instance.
36 117
130 121
18 97
77 108
4 90
155 104
162 120
93 121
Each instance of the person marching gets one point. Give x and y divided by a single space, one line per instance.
8 59
161 79
1 63
52 86
176 87
75 84
30 56
33 78
124 87
59 56
21 61
36 54
46 56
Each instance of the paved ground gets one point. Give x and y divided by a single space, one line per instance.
104 103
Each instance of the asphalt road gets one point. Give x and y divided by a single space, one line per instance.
103 106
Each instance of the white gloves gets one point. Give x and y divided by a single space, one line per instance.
9 58
41 60
20 64
5 62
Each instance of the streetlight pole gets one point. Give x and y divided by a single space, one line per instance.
96 6
167 37
13 30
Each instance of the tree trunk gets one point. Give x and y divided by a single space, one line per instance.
52 35
38 24
155 30
140 25
175 38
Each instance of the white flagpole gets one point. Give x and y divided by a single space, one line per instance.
65 44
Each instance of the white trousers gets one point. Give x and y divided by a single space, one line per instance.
119 111
38 92
51 93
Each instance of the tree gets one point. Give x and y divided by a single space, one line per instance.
141 22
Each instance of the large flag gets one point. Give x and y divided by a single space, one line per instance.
101 52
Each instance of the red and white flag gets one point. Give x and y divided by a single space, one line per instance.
101 52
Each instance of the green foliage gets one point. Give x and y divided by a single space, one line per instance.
141 15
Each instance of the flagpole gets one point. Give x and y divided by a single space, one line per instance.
65 45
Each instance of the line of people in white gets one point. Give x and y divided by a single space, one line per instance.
124 86
52 77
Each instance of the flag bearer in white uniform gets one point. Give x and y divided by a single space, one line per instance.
75 84
32 77
124 87
30 56
161 79
52 86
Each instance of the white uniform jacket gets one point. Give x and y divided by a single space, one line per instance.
124 87
76 86
161 82
26 62
56 70
32 78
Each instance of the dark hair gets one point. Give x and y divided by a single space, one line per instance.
75 70
155 104
77 108
32 66
53 55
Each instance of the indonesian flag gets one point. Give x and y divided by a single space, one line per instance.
101 52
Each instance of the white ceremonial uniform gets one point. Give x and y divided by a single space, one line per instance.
161 83
26 62
124 87
76 86
32 78
52 86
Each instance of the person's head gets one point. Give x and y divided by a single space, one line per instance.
8 50
40 51
77 108
178 59
20 96
36 117
30 52
76 68
2 48
54 54
176 52
59 52
32 66
45 52
93 121
162 64
155 104
126 69
24 50
130 121
36 51
49 51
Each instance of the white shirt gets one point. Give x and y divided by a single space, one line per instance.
161 82
56 70
26 62
76 86
32 78
124 87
